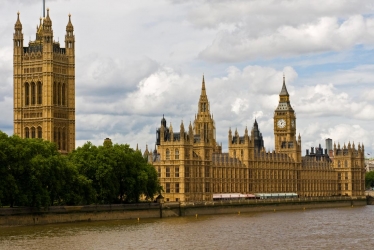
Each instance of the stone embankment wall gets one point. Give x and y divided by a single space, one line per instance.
26 216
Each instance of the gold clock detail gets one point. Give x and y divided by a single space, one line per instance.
281 123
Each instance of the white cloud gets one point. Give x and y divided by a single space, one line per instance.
321 35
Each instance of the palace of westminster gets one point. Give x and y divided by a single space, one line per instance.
190 163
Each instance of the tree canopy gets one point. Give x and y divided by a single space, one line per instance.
369 179
33 173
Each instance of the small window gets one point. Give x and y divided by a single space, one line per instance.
27 94
27 132
207 187
187 187
40 133
177 154
177 172
345 163
167 154
167 187
186 171
159 172
206 171
167 172
33 134
177 187
346 186
40 93
338 164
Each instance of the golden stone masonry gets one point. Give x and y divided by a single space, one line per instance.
191 165
44 85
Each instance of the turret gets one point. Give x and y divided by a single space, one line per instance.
230 137
69 38
47 32
190 133
171 133
18 37
181 131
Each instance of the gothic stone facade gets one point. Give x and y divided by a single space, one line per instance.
192 167
44 85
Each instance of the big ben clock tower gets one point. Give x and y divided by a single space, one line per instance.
285 125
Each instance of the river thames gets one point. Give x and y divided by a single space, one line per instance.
332 228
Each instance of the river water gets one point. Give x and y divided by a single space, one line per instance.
331 228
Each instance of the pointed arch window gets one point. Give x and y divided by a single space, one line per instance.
167 154
27 94
59 134
33 93
33 133
55 93
64 139
63 94
27 133
40 132
55 136
59 94
177 154
40 93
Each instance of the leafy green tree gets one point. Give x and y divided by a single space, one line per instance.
369 179
118 172
35 174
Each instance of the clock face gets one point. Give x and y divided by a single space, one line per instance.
281 123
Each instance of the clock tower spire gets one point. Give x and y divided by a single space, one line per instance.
285 125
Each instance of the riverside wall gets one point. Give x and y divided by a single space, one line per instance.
63 214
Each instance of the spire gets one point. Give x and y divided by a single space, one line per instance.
284 89
203 91
18 25
69 26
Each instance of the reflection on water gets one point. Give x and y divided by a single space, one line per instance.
338 228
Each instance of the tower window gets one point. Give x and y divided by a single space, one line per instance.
39 93
177 154
167 154
63 139
63 94
176 173
167 187
40 133
55 93
27 94
33 135
59 94
27 133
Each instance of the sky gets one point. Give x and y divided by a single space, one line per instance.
137 60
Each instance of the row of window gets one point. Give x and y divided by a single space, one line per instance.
176 155
60 139
345 164
176 187
35 97
187 174
59 135
34 93
33 132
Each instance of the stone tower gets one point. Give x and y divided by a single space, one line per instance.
285 126
44 85
204 127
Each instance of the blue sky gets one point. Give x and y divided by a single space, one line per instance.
138 60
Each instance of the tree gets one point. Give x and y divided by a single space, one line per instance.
369 179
